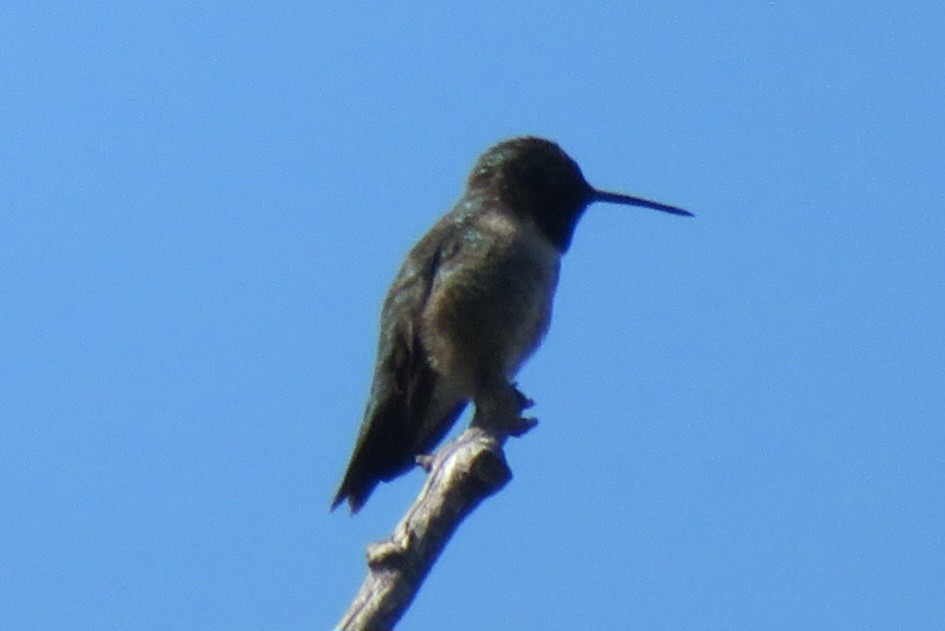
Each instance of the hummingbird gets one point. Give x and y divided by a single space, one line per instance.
470 304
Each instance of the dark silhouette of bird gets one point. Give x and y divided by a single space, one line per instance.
471 302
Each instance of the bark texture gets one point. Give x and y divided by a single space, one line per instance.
461 474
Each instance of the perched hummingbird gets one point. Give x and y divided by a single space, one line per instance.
471 302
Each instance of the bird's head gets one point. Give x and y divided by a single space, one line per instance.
536 178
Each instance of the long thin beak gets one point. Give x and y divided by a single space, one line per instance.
630 200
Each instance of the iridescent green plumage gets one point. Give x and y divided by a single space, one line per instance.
471 302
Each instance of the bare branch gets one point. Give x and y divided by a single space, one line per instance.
462 474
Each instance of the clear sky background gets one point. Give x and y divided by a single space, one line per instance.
742 414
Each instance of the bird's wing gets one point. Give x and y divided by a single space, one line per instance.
396 427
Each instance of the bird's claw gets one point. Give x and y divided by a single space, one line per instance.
523 401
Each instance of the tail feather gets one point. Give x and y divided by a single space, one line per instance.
386 448
382 452
355 490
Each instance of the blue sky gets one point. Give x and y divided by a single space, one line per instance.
742 414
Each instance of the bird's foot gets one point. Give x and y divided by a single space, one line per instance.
501 410
522 426
524 402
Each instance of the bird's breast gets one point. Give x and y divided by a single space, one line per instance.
490 302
